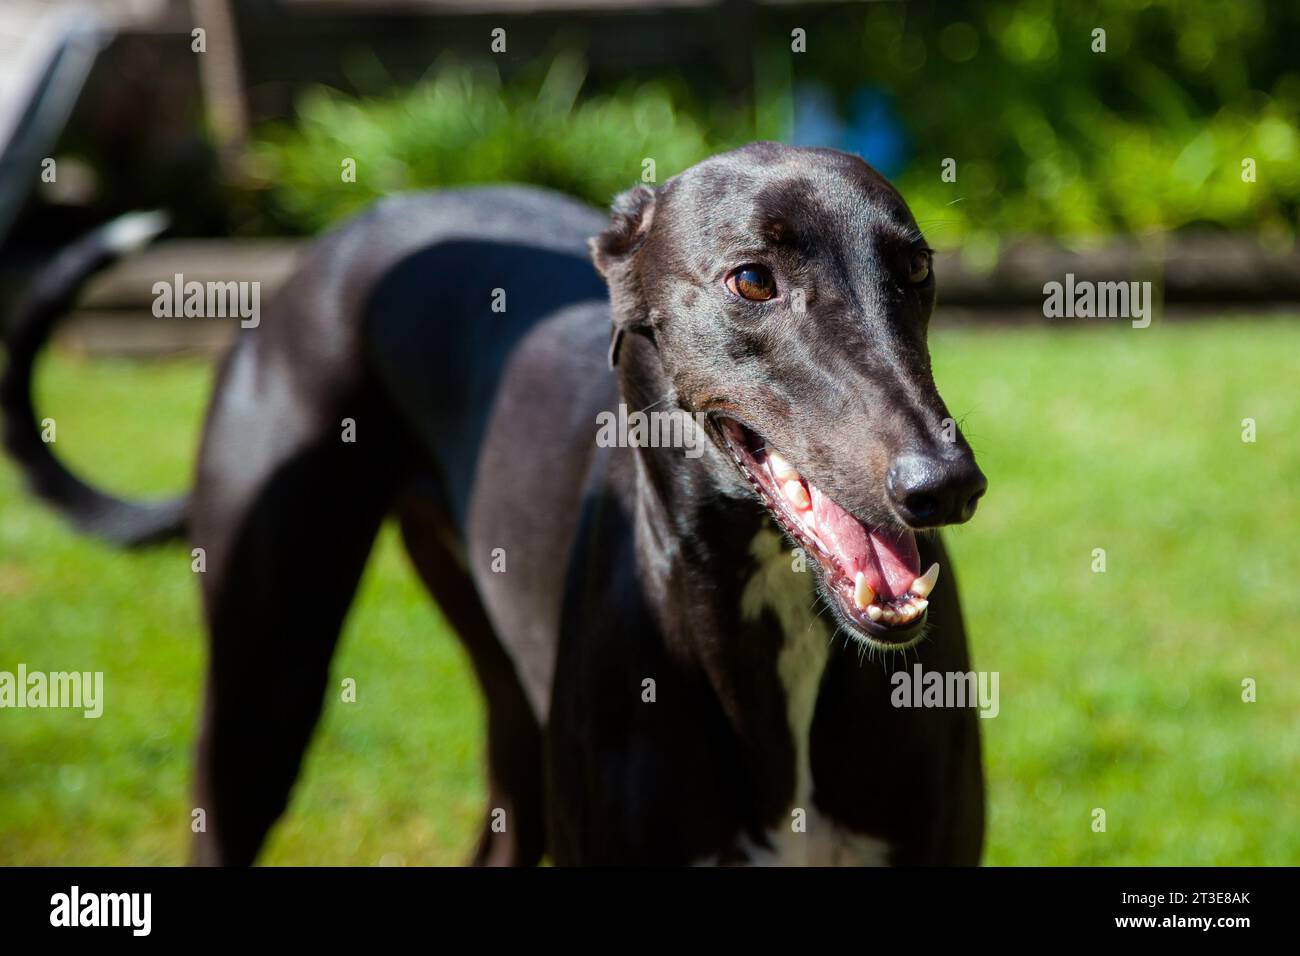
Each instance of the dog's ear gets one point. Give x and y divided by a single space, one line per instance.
629 221
613 253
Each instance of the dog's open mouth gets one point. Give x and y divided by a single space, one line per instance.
873 573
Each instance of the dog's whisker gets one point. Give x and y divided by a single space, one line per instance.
658 401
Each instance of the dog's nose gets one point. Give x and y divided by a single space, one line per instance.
930 491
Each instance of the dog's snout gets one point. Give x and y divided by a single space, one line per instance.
928 491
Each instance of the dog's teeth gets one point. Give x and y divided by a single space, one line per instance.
863 593
923 585
780 467
920 604
874 613
796 494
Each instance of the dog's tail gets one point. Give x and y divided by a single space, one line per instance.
124 523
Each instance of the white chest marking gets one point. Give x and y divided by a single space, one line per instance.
815 839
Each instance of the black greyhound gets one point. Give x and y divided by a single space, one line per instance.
663 682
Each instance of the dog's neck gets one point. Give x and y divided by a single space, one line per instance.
736 602
693 537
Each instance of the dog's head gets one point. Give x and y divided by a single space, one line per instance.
787 292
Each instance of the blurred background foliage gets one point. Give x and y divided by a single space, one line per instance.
1081 145
461 125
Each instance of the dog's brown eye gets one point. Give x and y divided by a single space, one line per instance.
753 282
920 268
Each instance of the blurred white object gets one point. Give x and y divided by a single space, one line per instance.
47 48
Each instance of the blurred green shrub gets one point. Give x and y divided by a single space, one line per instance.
1049 136
462 126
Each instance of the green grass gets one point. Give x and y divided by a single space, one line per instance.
1119 690
395 775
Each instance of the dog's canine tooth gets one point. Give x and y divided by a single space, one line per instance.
780 467
797 495
863 593
874 613
923 585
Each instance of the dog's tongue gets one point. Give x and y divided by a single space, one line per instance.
889 559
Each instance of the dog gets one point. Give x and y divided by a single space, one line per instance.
670 640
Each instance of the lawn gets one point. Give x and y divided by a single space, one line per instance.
1120 690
